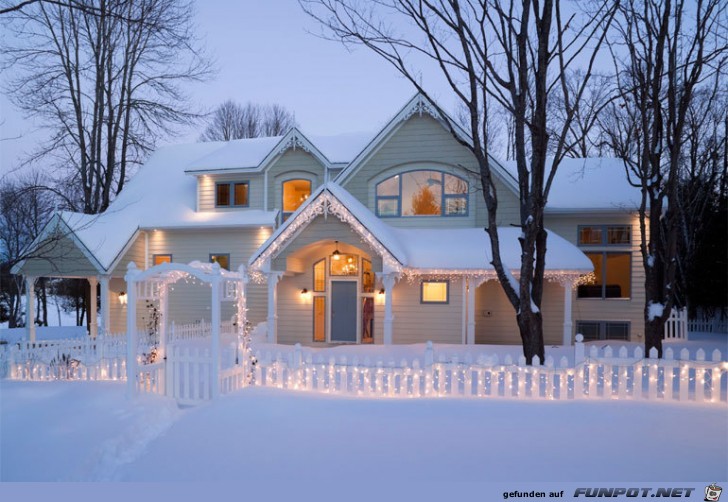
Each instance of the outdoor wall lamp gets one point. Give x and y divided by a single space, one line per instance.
123 298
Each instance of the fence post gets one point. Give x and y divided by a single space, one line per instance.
297 356
429 355
579 349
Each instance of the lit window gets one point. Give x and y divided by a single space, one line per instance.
319 276
158 259
434 292
367 277
233 194
603 330
222 259
613 276
319 318
422 193
295 192
610 235
344 264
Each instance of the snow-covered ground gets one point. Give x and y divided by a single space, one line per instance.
52 431
56 315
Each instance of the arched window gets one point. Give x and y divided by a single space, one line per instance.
422 193
294 193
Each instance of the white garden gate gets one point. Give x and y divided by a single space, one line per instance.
210 358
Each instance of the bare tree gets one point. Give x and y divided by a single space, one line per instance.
701 197
105 79
23 212
583 138
665 51
510 52
231 120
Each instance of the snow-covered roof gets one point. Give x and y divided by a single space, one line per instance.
256 153
160 196
341 148
596 183
236 154
442 249
469 249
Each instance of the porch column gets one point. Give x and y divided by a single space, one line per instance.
215 320
472 284
105 306
30 307
388 283
242 309
568 285
273 278
93 327
131 329
163 308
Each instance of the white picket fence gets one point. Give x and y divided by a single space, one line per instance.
714 325
601 375
676 325
198 330
186 375
103 358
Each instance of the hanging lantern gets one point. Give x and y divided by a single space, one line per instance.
336 255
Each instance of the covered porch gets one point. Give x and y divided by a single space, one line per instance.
337 274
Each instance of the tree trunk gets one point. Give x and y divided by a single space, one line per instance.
654 331
530 325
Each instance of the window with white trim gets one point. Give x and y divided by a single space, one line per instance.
435 292
295 192
232 194
603 330
422 193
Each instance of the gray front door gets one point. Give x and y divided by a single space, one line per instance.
343 311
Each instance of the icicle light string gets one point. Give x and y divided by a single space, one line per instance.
324 204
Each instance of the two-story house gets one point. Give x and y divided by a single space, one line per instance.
355 239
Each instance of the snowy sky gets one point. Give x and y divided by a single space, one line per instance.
266 53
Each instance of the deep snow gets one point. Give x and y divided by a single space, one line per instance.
89 431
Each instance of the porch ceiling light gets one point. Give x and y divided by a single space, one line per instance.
336 255
123 298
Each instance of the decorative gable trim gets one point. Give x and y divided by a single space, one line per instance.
322 203
419 105
294 140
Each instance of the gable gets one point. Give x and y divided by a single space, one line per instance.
326 230
57 255
293 164
423 139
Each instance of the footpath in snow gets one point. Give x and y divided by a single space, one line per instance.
73 431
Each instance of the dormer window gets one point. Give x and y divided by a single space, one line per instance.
422 193
231 194
295 192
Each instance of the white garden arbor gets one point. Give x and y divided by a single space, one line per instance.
153 285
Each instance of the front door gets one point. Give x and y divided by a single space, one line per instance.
343 311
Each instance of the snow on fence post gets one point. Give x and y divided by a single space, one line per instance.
216 285
579 355
297 356
429 354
